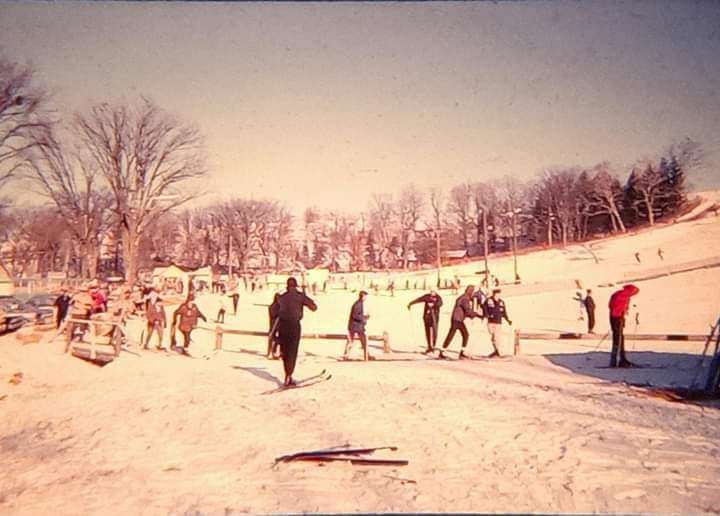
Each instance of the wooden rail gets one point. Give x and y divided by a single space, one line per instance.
220 331
518 336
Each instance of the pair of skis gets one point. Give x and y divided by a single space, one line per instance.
442 352
355 456
322 376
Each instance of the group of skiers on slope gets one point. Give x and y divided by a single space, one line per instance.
470 304
286 312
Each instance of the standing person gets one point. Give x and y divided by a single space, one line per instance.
431 315
220 319
80 308
461 310
618 306
478 299
185 319
273 351
62 305
356 325
590 308
495 311
99 301
234 295
660 254
581 305
290 313
156 321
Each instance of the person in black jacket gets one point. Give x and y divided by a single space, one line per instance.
461 310
431 315
62 305
273 351
495 312
289 313
590 308
356 325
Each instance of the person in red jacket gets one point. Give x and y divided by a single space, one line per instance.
619 304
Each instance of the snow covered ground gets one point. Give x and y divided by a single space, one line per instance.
548 430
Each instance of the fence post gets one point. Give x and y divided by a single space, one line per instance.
386 342
218 338
516 346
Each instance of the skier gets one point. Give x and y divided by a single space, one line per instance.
290 312
431 314
590 308
581 305
62 304
637 257
461 310
273 351
185 318
156 320
234 295
495 311
618 306
660 254
356 326
478 298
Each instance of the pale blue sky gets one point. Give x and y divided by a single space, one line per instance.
325 103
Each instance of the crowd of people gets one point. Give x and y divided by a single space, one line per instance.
96 301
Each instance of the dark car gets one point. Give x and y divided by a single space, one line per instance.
14 307
46 301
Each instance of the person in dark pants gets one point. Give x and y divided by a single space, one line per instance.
431 315
461 310
273 351
356 326
62 305
590 309
235 298
185 319
618 306
290 312
156 321
478 299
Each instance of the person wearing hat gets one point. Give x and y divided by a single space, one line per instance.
589 303
431 314
495 311
80 308
356 326
273 350
62 306
618 306
185 319
156 320
461 311
290 307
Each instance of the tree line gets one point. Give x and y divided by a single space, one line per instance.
116 180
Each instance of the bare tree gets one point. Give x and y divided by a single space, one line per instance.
21 117
559 194
382 218
604 196
436 203
72 183
513 197
647 182
410 206
459 206
145 155
486 205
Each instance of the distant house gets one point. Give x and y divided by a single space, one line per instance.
7 285
455 255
